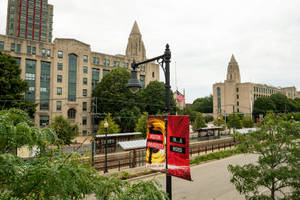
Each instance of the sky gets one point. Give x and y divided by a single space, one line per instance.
263 35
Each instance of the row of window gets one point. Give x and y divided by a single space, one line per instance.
30 49
264 90
59 91
60 78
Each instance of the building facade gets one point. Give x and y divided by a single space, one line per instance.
62 74
233 96
30 19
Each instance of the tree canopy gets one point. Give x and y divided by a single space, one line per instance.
112 126
12 87
203 105
277 170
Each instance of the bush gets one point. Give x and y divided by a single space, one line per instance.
199 122
248 122
214 156
208 118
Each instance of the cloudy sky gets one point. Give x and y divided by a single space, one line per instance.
264 36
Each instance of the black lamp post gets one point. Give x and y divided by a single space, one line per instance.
134 86
105 126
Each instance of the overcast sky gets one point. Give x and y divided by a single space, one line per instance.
264 36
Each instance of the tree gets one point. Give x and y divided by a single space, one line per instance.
112 126
12 87
54 175
234 121
248 122
154 98
199 122
128 119
262 105
281 102
64 130
203 105
142 124
277 146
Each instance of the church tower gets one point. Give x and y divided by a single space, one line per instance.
135 47
233 71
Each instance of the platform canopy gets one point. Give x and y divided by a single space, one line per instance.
133 145
118 135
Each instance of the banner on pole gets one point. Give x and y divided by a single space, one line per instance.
178 146
155 153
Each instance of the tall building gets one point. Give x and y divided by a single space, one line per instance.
62 74
233 96
30 19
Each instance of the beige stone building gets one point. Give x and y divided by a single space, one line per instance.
62 74
233 96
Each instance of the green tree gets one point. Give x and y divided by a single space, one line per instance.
128 119
154 98
112 126
277 168
199 122
281 102
53 175
64 130
142 124
190 112
203 105
12 87
248 122
234 121
262 105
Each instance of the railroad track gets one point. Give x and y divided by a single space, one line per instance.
128 159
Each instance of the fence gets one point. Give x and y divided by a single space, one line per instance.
137 158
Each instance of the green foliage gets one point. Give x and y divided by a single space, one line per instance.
248 122
16 130
64 130
262 105
208 118
154 98
219 121
12 87
128 119
190 112
203 105
234 121
214 156
277 145
112 126
199 122
142 124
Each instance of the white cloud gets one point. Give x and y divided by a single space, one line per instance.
263 36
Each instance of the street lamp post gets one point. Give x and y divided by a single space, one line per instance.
105 126
134 86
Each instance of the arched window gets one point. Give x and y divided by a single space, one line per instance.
219 99
71 113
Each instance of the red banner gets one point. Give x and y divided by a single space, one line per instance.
155 154
178 146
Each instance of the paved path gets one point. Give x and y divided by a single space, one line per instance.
211 181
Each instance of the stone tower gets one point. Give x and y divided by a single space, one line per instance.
233 71
135 47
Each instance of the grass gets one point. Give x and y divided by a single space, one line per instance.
214 156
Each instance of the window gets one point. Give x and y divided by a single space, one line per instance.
125 65
12 47
96 60
28 49
116 64
59 78
84 132
48 52
60 54
45 85
142 80
153 75
237 103
18 48
106 62
237 96
142 68
1 45
72 77
84 120
43 52
84 106
237 89
71 113
59 66
84 80
59 91
85 58
95 77
84 92
85 69
33 50
44 120
104 72
219 99
58 105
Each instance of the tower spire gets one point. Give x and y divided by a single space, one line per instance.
135 46
233 71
